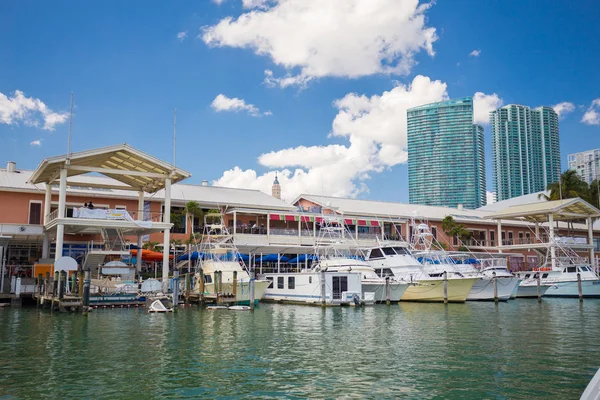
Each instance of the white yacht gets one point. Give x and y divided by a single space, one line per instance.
397 262
314 287
219 254
487 269
373 286
561 281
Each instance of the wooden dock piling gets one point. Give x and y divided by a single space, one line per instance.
579 288
387 290
495 282
539 287
445 287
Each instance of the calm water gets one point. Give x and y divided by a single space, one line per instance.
476 350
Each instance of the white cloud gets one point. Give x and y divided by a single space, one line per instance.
483 104
592 115
218 2
181 36
490 197
28 110
254 3
36 143
563 108
224 103
475 53
340 38
375 128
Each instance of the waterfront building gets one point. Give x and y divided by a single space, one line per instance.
587 165
446 155
260 223
526 150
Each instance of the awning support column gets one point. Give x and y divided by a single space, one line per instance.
140 217
268 230
552 243
47 202
590 224
499 236
62 200
167 235
234 222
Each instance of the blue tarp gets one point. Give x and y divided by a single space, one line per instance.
302 258
272 258
187 255
244 257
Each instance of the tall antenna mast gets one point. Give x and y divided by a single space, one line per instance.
70 127
174 136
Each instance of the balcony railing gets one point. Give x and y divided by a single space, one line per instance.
135 215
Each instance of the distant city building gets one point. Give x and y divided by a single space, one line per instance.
446 155
587 164
526 150
276 188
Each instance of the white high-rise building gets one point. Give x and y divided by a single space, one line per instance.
587 164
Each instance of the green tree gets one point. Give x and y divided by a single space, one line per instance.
569 186
152 246
453 229
594 195
193 210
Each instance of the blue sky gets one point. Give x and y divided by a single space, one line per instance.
128 70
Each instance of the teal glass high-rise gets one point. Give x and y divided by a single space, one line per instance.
526 150
446 155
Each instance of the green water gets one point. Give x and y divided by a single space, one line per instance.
520 349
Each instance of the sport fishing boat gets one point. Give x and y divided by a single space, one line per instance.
218 254
562 281
397 262
488 269
528 288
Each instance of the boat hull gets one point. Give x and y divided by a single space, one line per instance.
397 290
432 290
242 295
589 288
531 291
483 289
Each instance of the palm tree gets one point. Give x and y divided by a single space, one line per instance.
192 210
569 186
153 246
595 193
452 229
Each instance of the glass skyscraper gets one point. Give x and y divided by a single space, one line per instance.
446 155
526 150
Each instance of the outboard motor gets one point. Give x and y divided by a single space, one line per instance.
356 299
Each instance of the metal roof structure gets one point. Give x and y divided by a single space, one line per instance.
574 209
385 210
94 186
134 168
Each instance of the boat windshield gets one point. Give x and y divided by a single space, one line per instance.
401 250
388 251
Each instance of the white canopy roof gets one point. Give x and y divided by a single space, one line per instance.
134 168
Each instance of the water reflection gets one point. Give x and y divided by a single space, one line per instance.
473 350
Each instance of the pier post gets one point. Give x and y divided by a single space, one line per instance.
252 296
175 290
55 284
323 292
234 288
80 282
39 290
187 287
495 281
47 284
86 291
579 288
445 287
387 290
61 282
539 287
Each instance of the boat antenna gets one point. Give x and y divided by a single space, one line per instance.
174 137
70 128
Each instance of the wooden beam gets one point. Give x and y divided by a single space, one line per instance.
115 171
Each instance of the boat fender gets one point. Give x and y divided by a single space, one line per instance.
356 299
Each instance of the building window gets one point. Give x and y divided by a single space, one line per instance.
120 207
280 282
291 282
35 213
434 232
